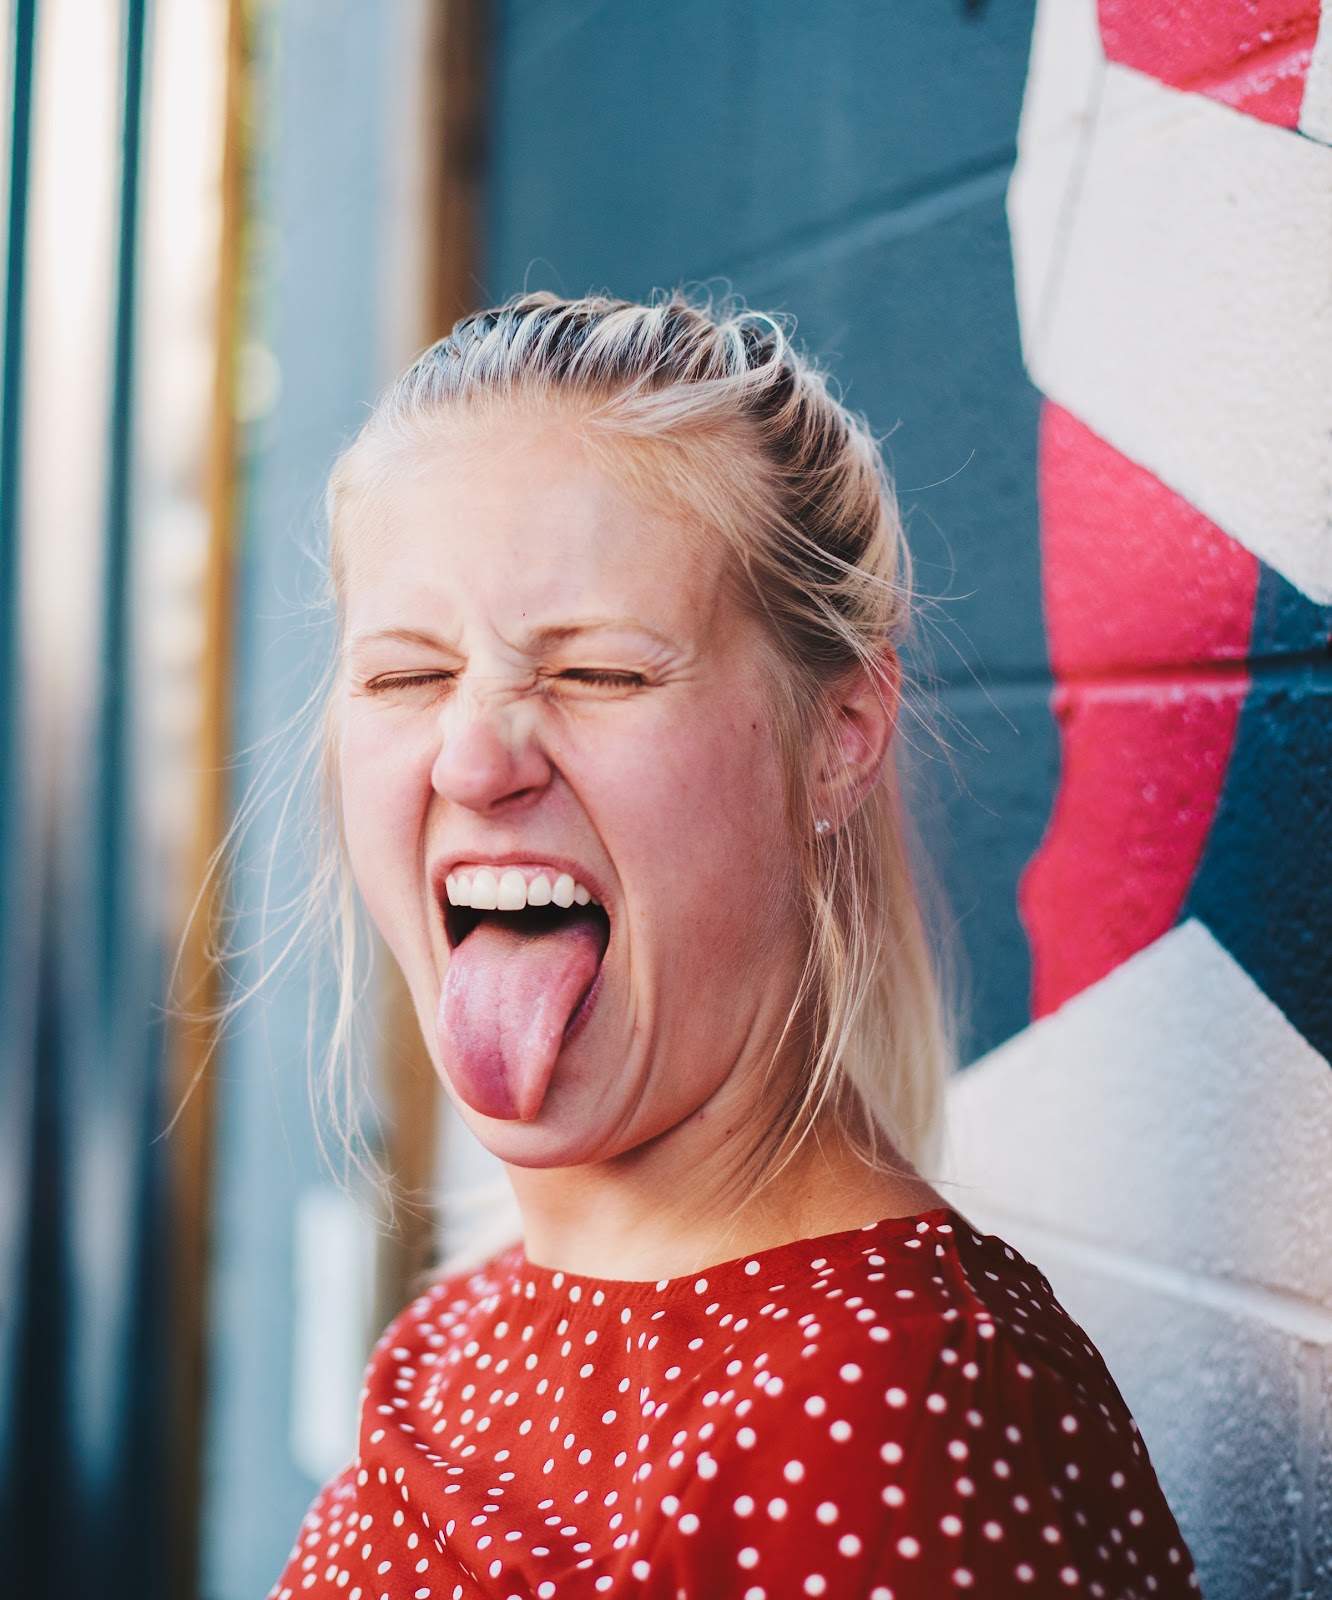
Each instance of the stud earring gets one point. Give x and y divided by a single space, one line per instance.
822 826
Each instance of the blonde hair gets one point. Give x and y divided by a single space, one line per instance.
743 430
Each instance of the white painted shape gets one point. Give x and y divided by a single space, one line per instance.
1062 82
334 1294
1169 1112
1192 321
1316 107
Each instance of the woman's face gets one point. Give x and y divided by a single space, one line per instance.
549 690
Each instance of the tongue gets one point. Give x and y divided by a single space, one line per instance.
508 998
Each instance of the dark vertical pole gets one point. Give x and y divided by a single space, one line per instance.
17 935
11 385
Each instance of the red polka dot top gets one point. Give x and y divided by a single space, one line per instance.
900 1412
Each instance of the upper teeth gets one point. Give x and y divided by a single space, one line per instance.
512 889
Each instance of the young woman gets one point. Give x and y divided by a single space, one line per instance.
622 590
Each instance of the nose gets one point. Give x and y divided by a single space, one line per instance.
489 755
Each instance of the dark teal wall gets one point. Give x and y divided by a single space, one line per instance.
845 164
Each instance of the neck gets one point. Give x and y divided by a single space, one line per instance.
681 1203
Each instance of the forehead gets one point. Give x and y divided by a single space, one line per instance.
529 522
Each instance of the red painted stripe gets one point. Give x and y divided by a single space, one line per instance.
1132 575
1149 611
1250 54
1141 772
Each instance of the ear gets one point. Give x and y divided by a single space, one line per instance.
856 741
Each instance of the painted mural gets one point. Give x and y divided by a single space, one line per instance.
1165 1125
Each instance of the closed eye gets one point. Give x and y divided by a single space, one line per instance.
386 684
603 677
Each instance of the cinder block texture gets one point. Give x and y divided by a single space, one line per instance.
1142 765
634 146
1171 257
1264 884
914 316
1253 56
1133 575
1169 1112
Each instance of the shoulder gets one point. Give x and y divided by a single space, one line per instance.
925 1408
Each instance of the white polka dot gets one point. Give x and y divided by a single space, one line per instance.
908 1547
951 1525
891 1453
816 1583
815 1406
777 1509
849 1545
744 1506
688 1523
748 1557
896 1397
851 1373
827 1513
793 1471
963 1578
840 1431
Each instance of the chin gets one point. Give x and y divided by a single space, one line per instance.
575 1127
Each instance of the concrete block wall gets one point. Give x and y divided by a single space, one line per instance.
1105 373
1159 1140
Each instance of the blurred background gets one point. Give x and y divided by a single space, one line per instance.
1071 262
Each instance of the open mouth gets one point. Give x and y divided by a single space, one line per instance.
531 922
525 959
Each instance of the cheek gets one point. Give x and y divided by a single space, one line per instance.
384 788
702 820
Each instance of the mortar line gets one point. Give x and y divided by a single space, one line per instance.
1303 1319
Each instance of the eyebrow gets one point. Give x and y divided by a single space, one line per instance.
431 641
552 634
561 632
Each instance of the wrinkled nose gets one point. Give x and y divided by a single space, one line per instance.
489 756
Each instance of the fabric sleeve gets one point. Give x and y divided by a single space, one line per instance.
980 1467
325 1558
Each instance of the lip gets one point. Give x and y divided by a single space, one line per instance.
442 867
